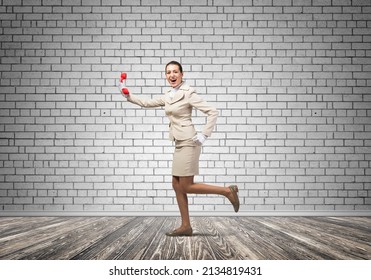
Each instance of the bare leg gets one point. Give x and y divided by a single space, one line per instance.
188 186
184 185
182 200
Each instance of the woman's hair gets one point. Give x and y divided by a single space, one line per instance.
175 63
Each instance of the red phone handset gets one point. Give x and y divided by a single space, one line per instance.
122 78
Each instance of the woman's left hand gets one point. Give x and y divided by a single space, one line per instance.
199 139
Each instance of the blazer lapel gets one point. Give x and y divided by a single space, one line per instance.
167 96
177 96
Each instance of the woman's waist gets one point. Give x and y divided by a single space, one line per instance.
185 143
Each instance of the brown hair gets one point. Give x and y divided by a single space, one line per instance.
175 63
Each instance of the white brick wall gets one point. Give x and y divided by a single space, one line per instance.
291 80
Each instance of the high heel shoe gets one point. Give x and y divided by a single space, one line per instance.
235 202
187 232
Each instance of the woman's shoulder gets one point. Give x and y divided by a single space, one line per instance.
187 88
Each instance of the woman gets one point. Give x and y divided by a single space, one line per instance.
178 102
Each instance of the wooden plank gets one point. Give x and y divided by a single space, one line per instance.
140 238
22 242
315 238
214 238
240 241
111 243
173 248
297 243
13 227
159 246
260 239
340 240
67 244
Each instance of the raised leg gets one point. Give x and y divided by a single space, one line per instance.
185 185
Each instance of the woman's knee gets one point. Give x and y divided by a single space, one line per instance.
176 184
185 184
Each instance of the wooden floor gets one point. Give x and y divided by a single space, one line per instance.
214 238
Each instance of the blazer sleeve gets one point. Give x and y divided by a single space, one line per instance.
147 103
197 102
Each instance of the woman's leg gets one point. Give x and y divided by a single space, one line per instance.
188 186
185 185
182 200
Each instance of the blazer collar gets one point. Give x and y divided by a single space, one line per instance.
178 95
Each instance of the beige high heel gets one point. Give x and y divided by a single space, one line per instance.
235 202
187 232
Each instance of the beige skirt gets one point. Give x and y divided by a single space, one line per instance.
186 157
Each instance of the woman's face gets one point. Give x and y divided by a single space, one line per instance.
173 75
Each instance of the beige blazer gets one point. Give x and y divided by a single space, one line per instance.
179 111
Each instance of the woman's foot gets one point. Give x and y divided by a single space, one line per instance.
180 232
233 197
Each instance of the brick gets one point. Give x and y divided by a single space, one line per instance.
293 103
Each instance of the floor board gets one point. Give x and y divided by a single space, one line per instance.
215 238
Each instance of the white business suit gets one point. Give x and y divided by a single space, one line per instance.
181 129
